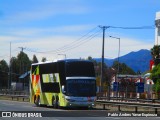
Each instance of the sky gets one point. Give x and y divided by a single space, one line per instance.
56 29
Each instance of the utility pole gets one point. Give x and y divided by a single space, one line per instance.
21 70
9 74
118 65
22 48
21 64
10 67
102 63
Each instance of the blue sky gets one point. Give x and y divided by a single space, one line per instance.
51 27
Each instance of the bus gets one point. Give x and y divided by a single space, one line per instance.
63 83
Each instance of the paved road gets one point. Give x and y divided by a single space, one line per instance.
23 108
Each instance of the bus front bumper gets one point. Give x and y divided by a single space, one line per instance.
80 104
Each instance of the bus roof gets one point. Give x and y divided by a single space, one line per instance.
65 60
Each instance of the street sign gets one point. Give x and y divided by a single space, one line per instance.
115 86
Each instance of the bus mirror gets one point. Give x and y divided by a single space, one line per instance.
63 89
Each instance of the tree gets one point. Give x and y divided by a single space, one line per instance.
4 69
123 68
24 62
155 51
108 73
157 88
155 72
155 76
14 69
34 60
18 66
4 66
44 59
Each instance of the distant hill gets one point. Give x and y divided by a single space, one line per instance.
138 61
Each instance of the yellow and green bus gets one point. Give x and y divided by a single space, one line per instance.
63 83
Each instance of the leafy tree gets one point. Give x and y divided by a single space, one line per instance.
19 65
123 68
4 69
90 58
155 76
44 59
4 66
155 51
155 72
34 60
108 73
14 69
24 62
157 88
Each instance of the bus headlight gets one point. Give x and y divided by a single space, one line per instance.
70 100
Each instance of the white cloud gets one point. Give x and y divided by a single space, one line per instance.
51 46
126 45
70 29
94 47
38 41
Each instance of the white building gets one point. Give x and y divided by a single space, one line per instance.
157 29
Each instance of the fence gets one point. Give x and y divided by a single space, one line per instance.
130 104
15 95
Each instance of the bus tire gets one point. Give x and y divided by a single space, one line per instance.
38 101
57 103
53 102
35 101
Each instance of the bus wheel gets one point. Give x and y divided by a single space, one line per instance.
38 102
53 102
57 103
35 100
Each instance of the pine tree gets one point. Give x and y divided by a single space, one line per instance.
34 60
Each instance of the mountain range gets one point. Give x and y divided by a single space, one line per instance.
138 61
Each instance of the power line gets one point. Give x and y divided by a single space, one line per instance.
73 44
76 41
139 27
82 42
84 39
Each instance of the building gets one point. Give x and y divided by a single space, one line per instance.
157 29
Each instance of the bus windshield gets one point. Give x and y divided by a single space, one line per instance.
81 87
